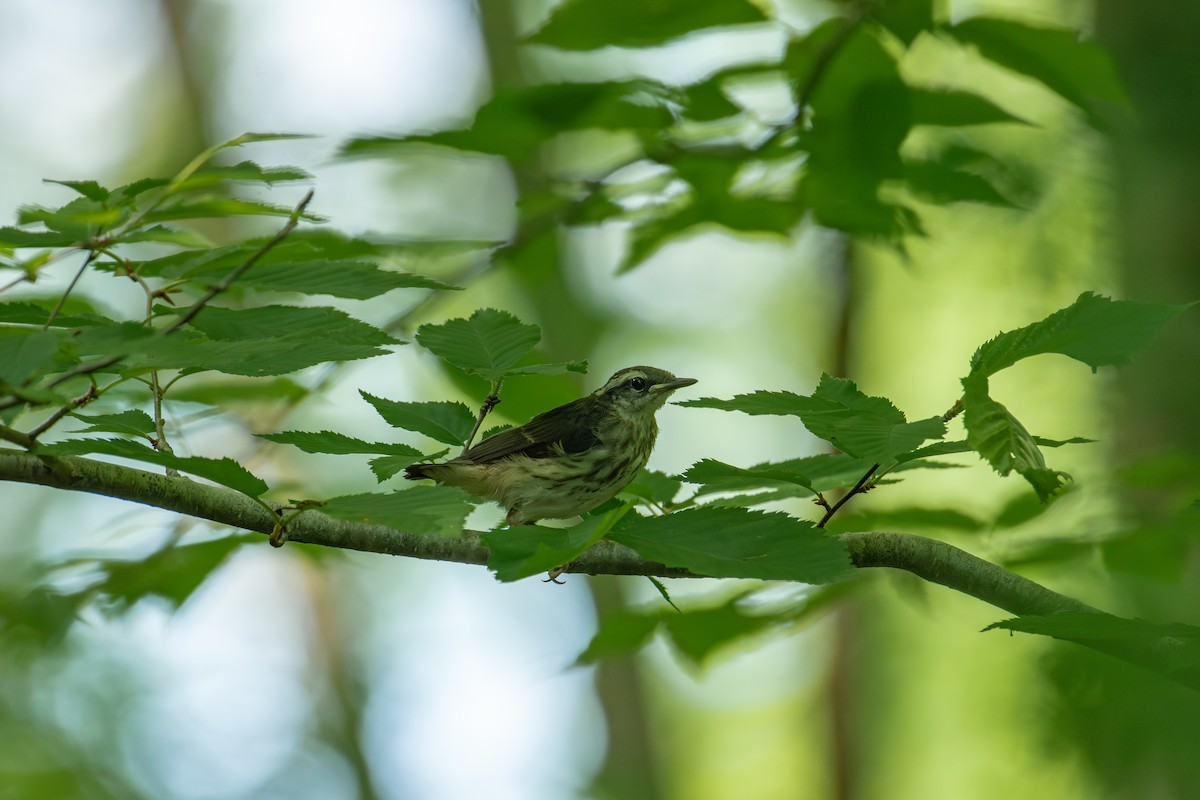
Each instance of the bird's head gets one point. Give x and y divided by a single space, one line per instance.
639 391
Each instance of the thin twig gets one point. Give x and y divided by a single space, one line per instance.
489 402
238 272
53 419
16 437
858 487
91 256
954 411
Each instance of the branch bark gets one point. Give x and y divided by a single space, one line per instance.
930 559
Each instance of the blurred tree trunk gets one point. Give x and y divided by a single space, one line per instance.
570 330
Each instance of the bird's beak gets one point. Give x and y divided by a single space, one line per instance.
671 385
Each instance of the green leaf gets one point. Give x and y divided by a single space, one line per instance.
224 471
516 122
861 114
906 19
337 443
190 207
449 423
81 218
267 340
942 519
735 543
16 237
620 634
1183 640
25 354
386 467
1002 441
486 344
172 574
246 171
654 487
1096 330
954 107
162 234
1079 71
864 427
132 423
422 510
351 279
89 189
592 24
937 182
226 392
521 551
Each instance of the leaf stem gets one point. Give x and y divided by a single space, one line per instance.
489 402
858 489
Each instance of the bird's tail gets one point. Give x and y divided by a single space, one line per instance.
416 472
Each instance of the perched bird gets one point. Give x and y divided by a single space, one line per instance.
569 459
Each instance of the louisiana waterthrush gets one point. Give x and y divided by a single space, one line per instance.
569 459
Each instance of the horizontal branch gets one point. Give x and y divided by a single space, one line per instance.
930 559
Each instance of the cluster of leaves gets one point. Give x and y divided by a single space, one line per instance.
686 158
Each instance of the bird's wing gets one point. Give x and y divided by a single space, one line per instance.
572 426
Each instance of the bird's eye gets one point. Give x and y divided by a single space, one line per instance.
638 384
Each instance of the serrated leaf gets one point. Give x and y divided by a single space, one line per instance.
25 354
162 234
172 574
735 543
132 423
224 471
386 467
449 423
337 443
654 487
16 237
422 510
592 24
245 171
524 550
486 344
860 426
267 340
937 182
1096 330
226 392
189 207
89 189
1002 441
518 121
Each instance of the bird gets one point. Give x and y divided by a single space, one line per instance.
568 460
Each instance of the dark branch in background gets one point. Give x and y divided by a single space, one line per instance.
930 559
62 301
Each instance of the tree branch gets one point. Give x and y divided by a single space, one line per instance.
930 559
